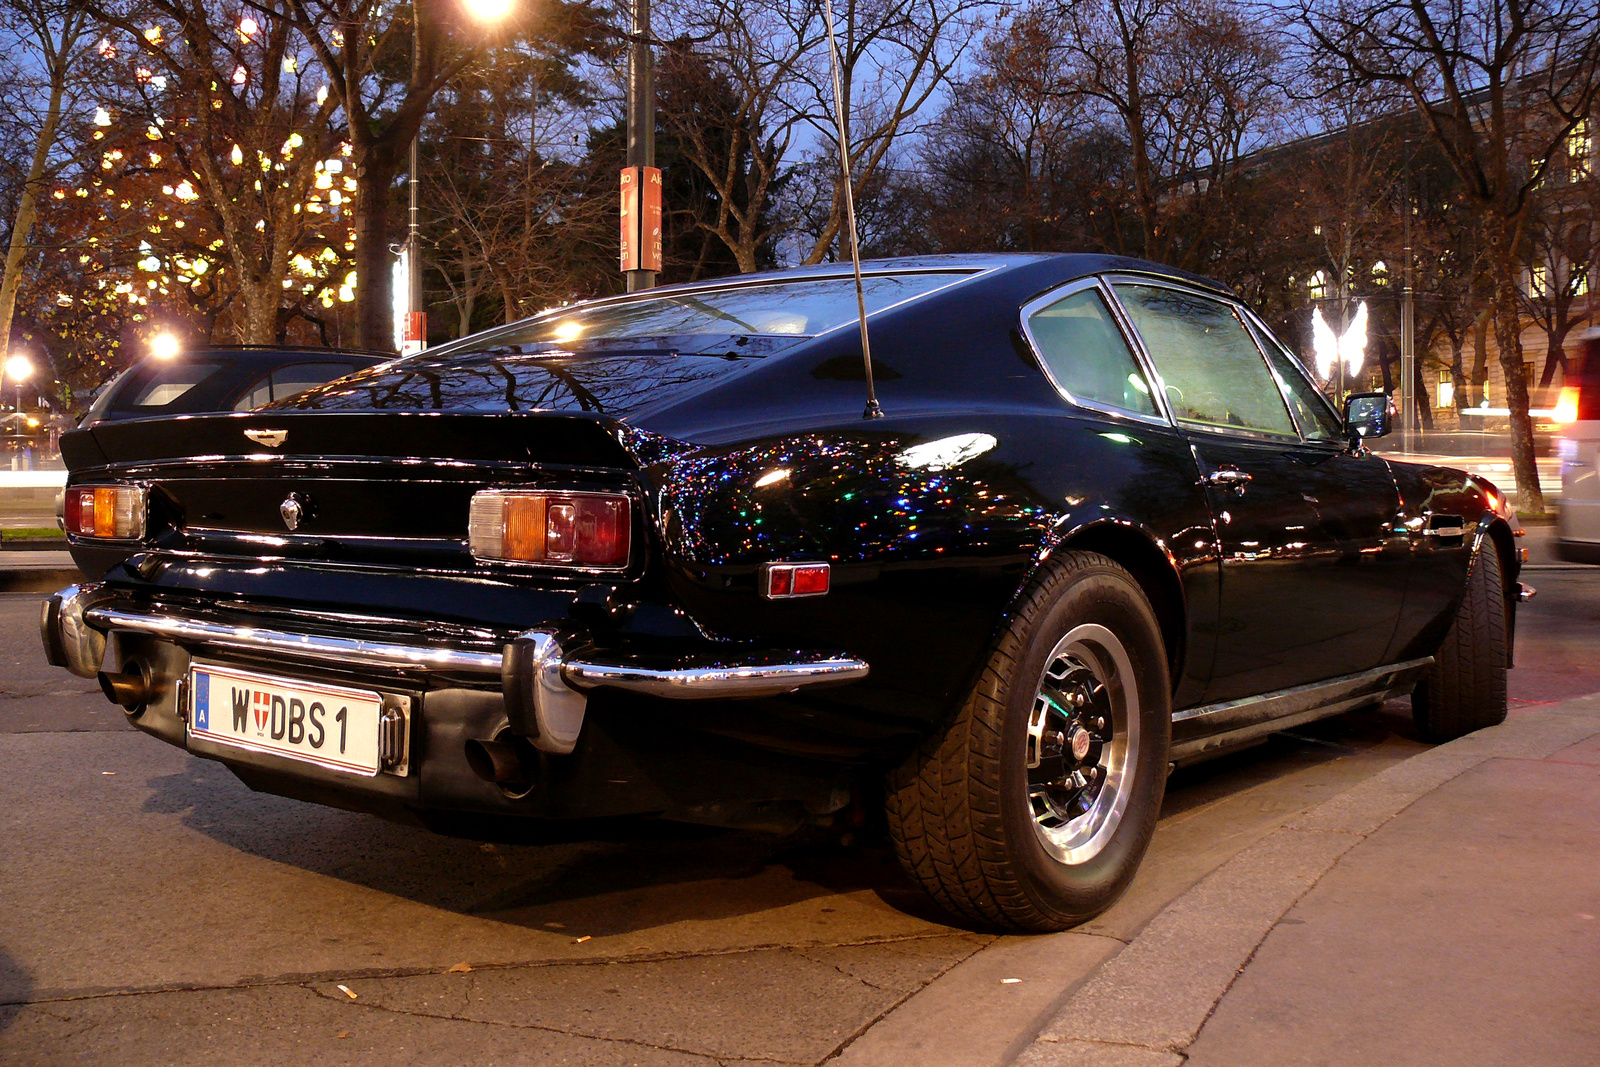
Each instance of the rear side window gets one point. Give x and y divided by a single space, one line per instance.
285 382
1210 366
159 385
1085 354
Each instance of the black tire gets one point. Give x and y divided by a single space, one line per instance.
992 839
1465 689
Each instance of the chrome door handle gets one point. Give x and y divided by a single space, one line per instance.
1230 478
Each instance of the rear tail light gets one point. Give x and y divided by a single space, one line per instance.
561 529
1567 405
784 581
110 511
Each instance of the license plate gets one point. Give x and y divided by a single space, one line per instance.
328 725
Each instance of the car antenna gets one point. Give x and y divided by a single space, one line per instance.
874 411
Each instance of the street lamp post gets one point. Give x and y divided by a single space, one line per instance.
415 334
641 182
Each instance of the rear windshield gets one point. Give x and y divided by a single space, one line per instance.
752 318
158 385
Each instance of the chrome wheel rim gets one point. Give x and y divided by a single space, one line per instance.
1082 744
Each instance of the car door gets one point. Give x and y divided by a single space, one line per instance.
1300 531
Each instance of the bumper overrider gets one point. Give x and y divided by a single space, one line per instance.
511 707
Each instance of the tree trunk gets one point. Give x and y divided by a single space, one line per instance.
261 303
1508 336
28 208
1480 356
1424 404
1555 356
374 263
1458 376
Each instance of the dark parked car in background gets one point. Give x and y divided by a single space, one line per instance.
645 557
240 378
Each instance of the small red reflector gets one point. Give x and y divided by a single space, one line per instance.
787 580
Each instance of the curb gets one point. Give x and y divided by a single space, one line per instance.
1145 1006
38 579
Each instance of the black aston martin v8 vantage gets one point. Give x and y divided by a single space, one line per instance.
645 556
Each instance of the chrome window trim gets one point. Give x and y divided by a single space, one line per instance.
1235 306
1072 288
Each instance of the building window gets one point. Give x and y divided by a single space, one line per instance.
1318 286
1580 281
1579 149
1380 273
1447 390
1530 374
1538 280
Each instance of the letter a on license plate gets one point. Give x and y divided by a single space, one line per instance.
328 725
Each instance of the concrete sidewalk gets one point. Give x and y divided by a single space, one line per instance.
1446 911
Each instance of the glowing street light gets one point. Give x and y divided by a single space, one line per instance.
164 346
19 368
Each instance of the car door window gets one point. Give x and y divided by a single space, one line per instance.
1085 355
1311 411
1212 371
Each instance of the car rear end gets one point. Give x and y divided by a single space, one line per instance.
1578 446
304 598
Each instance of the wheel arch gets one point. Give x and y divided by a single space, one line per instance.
1136 551
1497 533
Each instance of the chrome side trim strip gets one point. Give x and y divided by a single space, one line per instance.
1300 697
315 647
1235 722
713 681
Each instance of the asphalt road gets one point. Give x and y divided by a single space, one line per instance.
154 910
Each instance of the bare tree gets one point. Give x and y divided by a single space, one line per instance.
1499 84
895 55
58 34
727 81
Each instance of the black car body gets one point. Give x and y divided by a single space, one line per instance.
1290 572
239 378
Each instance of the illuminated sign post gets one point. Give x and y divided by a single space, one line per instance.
641 218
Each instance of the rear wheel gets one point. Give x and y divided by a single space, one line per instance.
1465 689
1032 809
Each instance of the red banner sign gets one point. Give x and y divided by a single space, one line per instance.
641 218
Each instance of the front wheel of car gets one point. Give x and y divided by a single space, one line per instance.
1031 810
1465 689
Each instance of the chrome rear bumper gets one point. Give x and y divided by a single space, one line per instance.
545 682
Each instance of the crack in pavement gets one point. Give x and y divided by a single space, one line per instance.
338 997
300 979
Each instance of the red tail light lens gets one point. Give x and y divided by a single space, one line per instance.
562 529
110 511
783 581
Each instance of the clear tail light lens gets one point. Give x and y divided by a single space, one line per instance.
110 511
561 529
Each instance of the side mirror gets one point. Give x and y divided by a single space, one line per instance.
1368 416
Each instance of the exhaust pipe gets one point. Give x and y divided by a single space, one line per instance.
131 689
509 761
